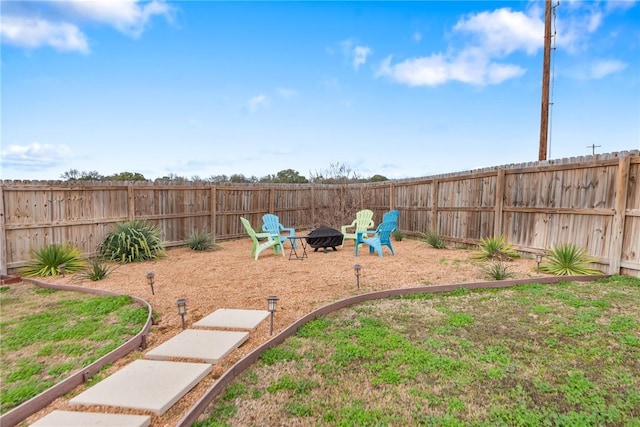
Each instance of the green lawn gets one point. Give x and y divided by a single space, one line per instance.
45 335
533 355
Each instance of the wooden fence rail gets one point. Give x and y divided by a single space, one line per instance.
593 202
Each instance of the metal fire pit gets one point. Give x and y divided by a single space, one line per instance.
324 237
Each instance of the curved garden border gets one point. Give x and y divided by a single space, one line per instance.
218 387
33 405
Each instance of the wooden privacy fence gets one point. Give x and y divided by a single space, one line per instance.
593 202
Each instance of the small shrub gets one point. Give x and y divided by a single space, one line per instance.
434 240
398 235
200 241
132 241
497 248
98 269
498 271
47 261
568 260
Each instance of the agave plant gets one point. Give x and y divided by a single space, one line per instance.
132 241
97 269
568 260
199 241
498 271
495 248
434 240
55 259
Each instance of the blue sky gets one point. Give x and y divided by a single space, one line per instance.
400 89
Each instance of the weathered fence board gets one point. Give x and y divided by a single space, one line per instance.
591 201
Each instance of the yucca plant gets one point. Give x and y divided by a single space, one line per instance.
398 235
498 271
97 269
132 241
200 241
54 259
568 260
495 248
433 239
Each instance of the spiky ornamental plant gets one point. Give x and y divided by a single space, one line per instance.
568 260
495 248
200 241
434 240
55 259
132 241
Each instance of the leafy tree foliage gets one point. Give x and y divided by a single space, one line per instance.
125 176
286 176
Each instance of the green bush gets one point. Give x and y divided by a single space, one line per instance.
495 248
98 269
48 260
434 240
132 241
200 241
568 260
398 235
498 271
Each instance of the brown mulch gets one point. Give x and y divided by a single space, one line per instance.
229 278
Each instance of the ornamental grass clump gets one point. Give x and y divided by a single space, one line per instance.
495 248
132 241
200 241
98 269
434 240
568 260
55 259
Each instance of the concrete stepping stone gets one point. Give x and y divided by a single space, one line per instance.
207 346
149 385
233 318
91 419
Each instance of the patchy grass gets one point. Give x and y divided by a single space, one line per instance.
45 335
565 354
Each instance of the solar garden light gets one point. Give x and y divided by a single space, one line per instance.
182 309
538 261
62 268
272 303
357 269
151 279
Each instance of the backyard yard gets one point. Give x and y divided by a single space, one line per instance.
229 278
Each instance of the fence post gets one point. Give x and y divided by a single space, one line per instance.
131 211
499 204
435 195
3 236
617 225
213 210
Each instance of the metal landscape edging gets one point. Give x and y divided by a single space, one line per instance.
81 376
218 387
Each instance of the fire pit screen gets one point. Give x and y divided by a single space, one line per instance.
324 237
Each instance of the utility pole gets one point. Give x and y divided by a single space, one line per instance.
546 71
593 148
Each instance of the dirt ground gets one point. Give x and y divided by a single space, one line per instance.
229 278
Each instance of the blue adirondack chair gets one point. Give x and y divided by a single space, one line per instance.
377 239
391 216
271 224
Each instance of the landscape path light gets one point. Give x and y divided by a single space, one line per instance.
182 309
62 268
538 261
151 279
272 304
357 269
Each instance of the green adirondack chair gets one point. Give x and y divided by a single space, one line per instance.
268 240
363 222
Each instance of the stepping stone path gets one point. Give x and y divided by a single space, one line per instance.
155 383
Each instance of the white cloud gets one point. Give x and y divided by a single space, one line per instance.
257 102
596 70
360 54
286 92
33 32
417 36
34 156
355 53
58 24
504 31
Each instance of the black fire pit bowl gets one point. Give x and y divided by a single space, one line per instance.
324 237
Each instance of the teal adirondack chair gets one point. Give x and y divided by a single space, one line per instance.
268 240
378 238
363 222
391 216
271 224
